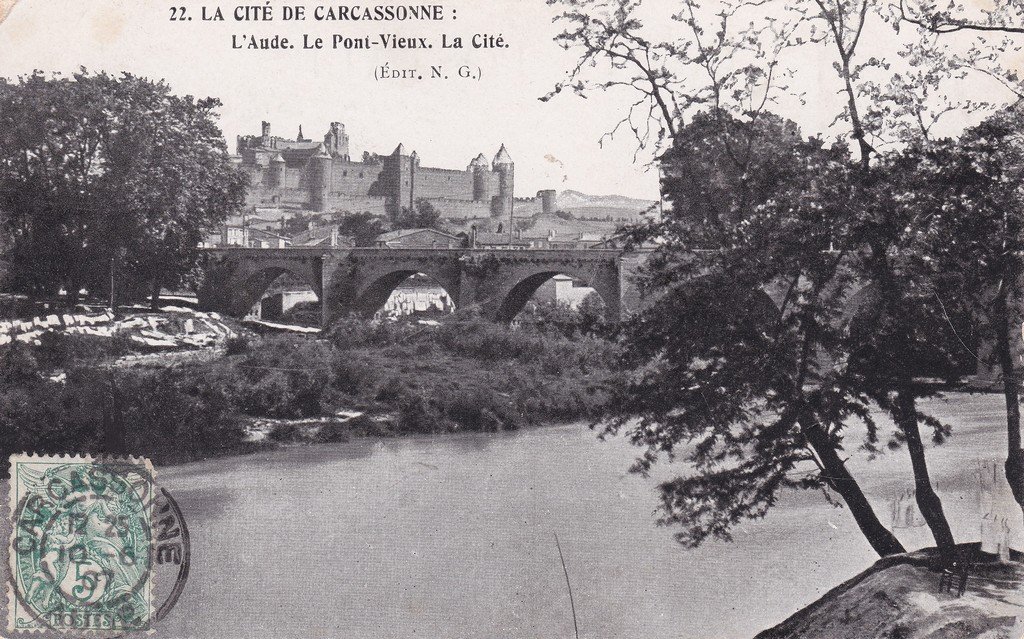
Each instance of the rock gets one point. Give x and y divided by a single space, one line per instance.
898 597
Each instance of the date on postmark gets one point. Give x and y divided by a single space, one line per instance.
81 544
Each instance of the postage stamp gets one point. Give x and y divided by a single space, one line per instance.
81 545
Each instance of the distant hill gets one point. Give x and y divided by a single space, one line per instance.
600 206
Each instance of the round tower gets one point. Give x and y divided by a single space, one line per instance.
276 174
547 201
505 168
481 183
319 178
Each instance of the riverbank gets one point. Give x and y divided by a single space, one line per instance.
898 596
81 392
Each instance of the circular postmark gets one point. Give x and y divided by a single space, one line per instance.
172 550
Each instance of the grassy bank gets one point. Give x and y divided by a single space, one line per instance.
402 378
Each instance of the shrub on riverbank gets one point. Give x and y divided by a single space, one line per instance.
462 375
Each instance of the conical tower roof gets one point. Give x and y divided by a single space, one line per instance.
321 152
277 159
502 157
480 160
399 150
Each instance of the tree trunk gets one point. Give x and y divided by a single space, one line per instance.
113 420
154 298
75 285
1011 393
927 500
839 478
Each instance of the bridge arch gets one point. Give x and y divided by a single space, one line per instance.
514 298
373 296
253 284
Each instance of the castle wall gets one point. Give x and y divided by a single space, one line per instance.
431 182
460 209
527 207
353 178
259 195
375 205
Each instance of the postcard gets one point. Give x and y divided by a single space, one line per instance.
517 319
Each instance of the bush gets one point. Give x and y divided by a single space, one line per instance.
352 376
237 345
285 433
58 350
332 432
171 417
353 332
466 374
285 377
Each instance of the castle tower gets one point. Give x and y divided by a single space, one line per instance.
265 134
501 204
276 174
396 179
336 142
319 179
547 201
481 184
414 164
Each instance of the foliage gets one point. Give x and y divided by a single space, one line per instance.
752 391
742 57
98 170
424 216
463 375
746 217
587 319
363 228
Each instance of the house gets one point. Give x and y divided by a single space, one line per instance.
418 238
258 238
233 234
485 239
325 235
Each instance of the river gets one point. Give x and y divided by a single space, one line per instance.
453 537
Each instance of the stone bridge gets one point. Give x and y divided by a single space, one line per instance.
359 280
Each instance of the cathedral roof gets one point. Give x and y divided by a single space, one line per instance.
503 157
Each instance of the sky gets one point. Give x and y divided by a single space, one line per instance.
555 144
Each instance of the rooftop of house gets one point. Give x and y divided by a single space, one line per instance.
400 233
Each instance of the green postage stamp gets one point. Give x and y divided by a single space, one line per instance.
80 545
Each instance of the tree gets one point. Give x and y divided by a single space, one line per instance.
977 236
1002 17
904 330
424 216
106 172
732 75
754 206
363 228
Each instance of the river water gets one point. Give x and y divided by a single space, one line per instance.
454 537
